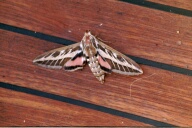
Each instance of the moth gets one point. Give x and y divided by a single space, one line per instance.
101 58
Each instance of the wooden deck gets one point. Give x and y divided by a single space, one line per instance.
160 40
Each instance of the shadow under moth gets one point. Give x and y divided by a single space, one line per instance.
100 57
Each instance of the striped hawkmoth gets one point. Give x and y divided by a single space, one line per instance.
100 57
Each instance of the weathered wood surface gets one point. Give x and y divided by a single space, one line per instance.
21 109
184 4
159 36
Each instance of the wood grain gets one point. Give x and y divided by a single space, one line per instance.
158 94
20 109
152 34
131 29
185 4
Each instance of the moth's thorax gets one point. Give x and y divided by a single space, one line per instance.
90 51
89 46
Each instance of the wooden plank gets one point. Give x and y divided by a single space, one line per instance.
158 94
134 30
185 4
20 109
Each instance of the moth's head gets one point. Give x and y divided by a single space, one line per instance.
87 34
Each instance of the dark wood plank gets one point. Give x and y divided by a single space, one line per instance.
158 94
185 4
134 30
20 109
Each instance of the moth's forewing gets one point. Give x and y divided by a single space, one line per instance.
119 62
68 57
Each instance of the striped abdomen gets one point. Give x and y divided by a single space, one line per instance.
96 69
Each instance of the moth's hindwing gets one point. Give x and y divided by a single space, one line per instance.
70 57
119 63
105 66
